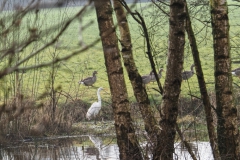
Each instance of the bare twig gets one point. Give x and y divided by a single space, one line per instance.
9 70
185 143
138 18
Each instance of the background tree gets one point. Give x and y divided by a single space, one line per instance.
227 130
202 86
140 92
172 84
125 132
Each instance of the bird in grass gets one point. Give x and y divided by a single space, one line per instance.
188 74
95 107
147 78
153 78
89 81
236 72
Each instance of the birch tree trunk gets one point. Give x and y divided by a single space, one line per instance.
172 85
202 86
227 131
134 76
126 139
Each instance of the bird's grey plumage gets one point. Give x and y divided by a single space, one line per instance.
236 72
95 107
147 78
153 78
89 81
188 74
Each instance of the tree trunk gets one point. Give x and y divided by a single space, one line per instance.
172 85
126 138
134 76
202 86
227 131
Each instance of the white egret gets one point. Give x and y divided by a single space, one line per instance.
188 74
89 81
95 107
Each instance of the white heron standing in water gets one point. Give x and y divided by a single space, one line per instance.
95 107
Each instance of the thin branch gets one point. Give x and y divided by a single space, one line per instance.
56 60
8 70
161 8
185 143
141 21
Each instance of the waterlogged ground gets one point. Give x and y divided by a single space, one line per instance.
101 145
84 147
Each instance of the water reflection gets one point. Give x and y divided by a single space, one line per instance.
202 151
105 152
85 148
61 148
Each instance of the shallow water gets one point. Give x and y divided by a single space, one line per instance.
202 151
85 148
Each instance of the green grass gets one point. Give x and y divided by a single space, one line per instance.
68 73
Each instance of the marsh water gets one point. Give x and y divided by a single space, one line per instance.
84 147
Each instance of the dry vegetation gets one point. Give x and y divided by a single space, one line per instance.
32 118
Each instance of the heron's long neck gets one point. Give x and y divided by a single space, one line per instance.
98 95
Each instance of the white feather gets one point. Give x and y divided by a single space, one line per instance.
95 107
93 110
